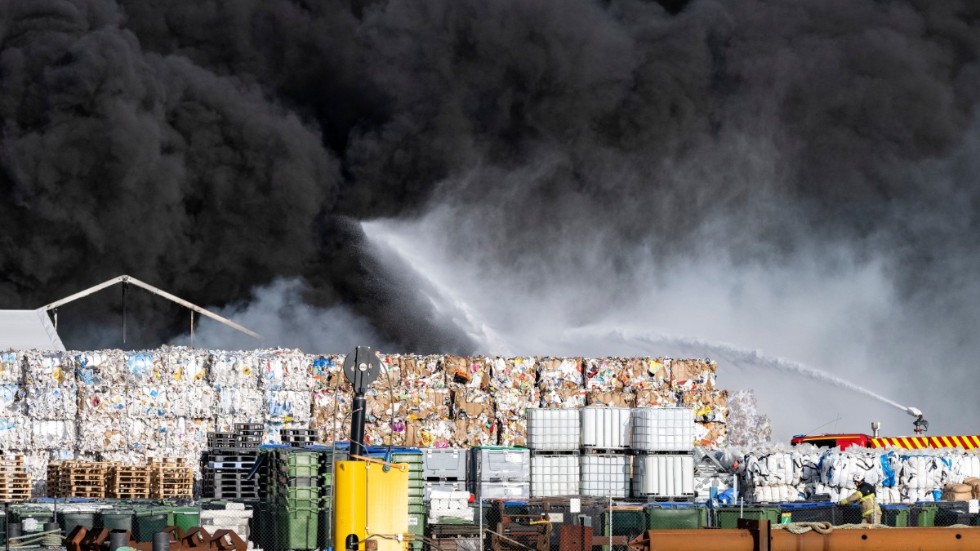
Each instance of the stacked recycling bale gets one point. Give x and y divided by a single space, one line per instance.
468 380
693 382
51 396
331 398
776 474
561 383
513 384
605 383
420 415
649 381
286 382
102 424
234 377
15 431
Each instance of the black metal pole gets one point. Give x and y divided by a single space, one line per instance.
124 285
357 425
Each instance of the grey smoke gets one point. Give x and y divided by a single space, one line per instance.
798 178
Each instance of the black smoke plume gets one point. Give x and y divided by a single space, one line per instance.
212 147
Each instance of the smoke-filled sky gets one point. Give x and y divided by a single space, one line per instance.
777 185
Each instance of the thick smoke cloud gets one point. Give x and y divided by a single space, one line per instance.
534 176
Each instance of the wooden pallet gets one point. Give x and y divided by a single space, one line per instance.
129 482
15 486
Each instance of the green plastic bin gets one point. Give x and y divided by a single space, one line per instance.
147 522
626 521
296 528
728 516
925 515
676 516
68 520
299 464
895 515
42 516
185 518
115 519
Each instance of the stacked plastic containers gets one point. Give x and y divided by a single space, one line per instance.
553 437
499 472
444 470
604 466
663 447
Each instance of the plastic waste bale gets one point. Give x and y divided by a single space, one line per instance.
327 371
285 369
287 406
148 400
185 366
15 432
145 367
101 368
238 401
233 369
192 400
12 400
51 392
11 367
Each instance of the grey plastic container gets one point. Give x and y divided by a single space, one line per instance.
444 463
500 464
502 490
459 486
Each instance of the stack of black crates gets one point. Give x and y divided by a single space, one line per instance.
228 464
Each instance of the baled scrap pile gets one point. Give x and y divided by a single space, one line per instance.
130 407
794 474
513 384
472 406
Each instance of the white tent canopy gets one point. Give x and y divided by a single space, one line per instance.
28 329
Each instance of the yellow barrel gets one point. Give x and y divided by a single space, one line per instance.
387 505
350 489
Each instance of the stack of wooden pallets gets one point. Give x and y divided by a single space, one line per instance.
171 478
15 482
129 482
77 479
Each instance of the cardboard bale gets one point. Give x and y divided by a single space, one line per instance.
476 431
642 374
658 397
331 414
473 412
620 399
692 374
708 405
603 374
512 430
430 433
711 435
471 372
327 371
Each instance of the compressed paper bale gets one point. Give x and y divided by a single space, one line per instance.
184 433
560 373
470 372
243 402
148 401
101 401
692 373
708 405
233 369
711 435
512 431
47 369
102 433
622 399
475 431
603 374
287 405
183 365
192 400
11 367
52 402
642 374
226 423
145 367
514 402
563 398
52 434
101 368
282 369
12 400
434 433
656 397
331 414
15 432
513 374
470 403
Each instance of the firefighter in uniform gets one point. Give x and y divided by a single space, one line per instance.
865 495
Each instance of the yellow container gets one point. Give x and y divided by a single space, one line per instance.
387 505
350 489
